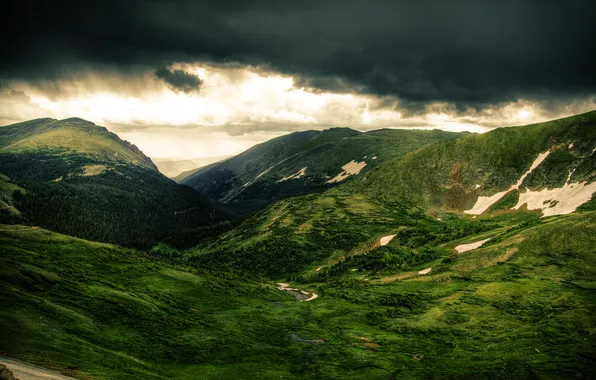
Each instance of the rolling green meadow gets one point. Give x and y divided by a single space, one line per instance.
522 307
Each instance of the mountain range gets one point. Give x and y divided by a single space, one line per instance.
305 162
320 255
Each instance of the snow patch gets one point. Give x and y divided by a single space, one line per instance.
483 203
557 201
350 168
477 187
425 271
374 158
570 146
259 176
468 247
386 239
263 173
298 174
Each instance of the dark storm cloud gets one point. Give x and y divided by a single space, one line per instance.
179 80
471 53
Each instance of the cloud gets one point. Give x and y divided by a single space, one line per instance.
16 106
179 80
246 99
471 54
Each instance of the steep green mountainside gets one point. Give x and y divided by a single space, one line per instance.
417 195
457 174
77 178
522 306
304 162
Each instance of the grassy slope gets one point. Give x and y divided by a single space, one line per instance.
522 307
319 228
70 136
399 194
97 311
322 153
445 174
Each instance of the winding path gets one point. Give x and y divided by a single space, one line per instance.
25 371
300 295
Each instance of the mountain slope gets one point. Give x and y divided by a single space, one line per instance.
522 307
407 285
304 162
78 178
70 136
422 197
474 173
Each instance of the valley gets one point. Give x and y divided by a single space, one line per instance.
446 256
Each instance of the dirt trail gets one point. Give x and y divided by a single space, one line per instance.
26 371
300 295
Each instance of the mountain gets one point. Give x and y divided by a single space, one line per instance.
78 178
436 193
176 169
548 166
61 138
399 273
303 162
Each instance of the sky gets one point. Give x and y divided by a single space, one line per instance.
191 79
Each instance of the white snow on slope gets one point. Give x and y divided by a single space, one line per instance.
470 246
350 168
298 174
259 176
483 203
386 239
557 201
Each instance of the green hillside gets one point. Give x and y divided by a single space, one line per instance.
303 162
453 174
77 178
522 307
396 274
407 195
68 137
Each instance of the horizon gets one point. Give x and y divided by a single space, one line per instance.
230 153
201 79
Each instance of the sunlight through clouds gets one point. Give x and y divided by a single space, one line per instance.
233 101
